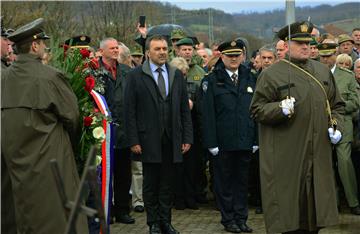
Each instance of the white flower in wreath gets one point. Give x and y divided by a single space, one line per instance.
98 160
99 133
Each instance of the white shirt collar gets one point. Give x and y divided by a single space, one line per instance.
230 72
333 69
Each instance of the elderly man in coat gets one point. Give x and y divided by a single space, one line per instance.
299 110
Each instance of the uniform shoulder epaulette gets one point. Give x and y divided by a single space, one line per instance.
347 70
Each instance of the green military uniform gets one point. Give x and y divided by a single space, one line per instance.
297 182
176 34
40 118
8 223
343 38
347 86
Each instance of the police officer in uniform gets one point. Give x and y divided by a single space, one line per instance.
347 86
229 132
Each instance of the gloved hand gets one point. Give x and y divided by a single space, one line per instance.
255 148
287 106
214 151
335 137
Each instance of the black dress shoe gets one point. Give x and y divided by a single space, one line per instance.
167 228
258 210
111 220
201 199
154 229
124 218
180 205
191 204
139 209
234 228
244 227
355 210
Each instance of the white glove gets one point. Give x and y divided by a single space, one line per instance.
255 148
335 137
214 151
287 106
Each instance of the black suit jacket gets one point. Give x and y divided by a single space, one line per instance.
114 95
142 119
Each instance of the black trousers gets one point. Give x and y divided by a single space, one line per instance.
158 181
122 181
231 169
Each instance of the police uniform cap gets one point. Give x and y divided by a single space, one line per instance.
185 41
327 49
299 31
81 41
177 34
344 37
29 32
136 51
233 47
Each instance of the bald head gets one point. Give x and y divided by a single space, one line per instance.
281 49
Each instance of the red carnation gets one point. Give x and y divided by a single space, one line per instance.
89 83
87 121
85 53
94 64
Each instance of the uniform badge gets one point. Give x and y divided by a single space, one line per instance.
233 43
204 86
304 28
196 78
249 90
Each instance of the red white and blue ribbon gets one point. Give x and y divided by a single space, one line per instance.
107 156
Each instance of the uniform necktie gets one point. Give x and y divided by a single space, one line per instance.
161 83
234 78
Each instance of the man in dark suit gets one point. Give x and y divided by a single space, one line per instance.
158 127
229 132
114 80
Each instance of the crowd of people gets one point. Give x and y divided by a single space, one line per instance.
280 129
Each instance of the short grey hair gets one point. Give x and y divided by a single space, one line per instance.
268 48
105 40
124 53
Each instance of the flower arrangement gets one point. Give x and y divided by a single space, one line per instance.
84 75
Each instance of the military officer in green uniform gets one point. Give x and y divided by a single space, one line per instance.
176 35
192 164
137 55
346 45
299 111
8 223
314 51
40 121
347 85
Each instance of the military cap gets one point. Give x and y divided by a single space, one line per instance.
313 42
233 47
136 51
4 32
185 41
177 34
327 49
29 32
344 37
299 31
81 41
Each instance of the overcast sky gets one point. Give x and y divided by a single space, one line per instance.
239 6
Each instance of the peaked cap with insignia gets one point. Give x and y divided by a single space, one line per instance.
327 49
299 31
81 41
233 47
29 32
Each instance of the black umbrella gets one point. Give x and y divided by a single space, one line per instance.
166 29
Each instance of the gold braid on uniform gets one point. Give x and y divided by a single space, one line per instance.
332 121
